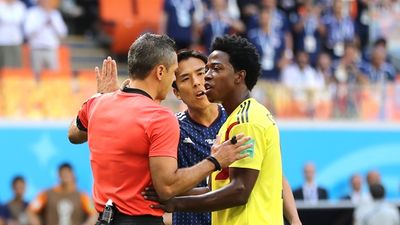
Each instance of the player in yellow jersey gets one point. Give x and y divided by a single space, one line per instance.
249 192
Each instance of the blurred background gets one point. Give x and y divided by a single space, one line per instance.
330 75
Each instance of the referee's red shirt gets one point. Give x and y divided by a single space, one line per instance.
125 128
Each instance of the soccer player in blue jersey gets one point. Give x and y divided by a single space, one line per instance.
199 126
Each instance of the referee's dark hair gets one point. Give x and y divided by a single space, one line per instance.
185 54
242 55
148 51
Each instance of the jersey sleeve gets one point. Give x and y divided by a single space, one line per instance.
256 152
82 120
87 204
38 204
163 132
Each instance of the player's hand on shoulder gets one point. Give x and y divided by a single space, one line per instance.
229 152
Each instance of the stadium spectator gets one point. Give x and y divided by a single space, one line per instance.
348 68
44 27
339 29
248 9
63 204
356 195
250 190
17 206
310 191
303 82
12 15
280 24
270 44
362 22
349 77
219 21
379 71
373 177
152 160
178 21
378 211
324 68
307 30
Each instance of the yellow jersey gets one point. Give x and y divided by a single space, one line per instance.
265 204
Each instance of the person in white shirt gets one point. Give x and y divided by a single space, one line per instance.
303 82
357 196
44 27
377 212
310 192
12 14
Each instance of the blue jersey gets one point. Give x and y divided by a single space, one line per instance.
194 146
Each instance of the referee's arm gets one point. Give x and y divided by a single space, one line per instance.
76 133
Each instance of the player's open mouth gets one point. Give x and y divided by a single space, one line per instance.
200 94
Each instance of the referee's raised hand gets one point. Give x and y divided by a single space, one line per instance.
228 152
107 77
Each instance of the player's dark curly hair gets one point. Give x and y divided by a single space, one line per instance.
242 55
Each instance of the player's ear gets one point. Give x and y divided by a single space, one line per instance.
240 76
176 93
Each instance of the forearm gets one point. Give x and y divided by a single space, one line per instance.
289 204
227 197
197 191
182 180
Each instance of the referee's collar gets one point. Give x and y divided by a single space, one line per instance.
136 91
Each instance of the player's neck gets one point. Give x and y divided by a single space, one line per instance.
205 116
235 99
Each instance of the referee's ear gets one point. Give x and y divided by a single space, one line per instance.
176 93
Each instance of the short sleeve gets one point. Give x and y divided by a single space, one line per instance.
82 119
256 152
38 203
87 204
163 132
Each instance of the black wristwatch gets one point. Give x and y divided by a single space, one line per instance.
215 162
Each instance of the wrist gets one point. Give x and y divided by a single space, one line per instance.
214 161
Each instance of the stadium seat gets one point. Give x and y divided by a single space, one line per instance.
134 17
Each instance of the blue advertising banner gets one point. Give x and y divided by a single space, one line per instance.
36 150
339 150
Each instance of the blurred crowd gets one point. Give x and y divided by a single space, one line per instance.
61 204
334 52
320 58
66 204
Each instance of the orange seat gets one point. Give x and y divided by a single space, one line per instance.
133 18
6 73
